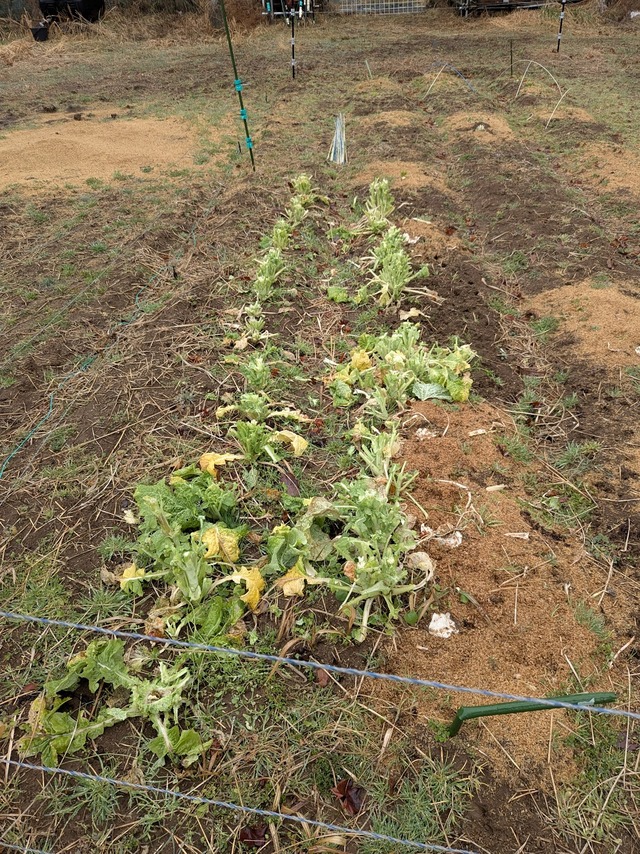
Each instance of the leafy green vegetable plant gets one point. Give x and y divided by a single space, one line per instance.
270 267
53 733
386 371
377 209
391 270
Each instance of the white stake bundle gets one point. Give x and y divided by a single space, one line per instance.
338 151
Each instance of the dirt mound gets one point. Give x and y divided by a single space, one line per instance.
611 165
69 151
603 320
401 173
393 118
515 590
484 126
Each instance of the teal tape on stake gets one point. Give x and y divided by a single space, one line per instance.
236 80
249 142
243 114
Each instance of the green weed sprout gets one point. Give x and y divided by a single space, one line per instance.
304 196
54 733
254 438
389 369
391 269
281 235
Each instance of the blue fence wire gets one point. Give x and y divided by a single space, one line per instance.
9 846
24 848
253 811
545 702
450 67
84 365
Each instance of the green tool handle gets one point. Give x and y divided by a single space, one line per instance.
466 713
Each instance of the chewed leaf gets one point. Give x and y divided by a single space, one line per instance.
130 578
212 462
292 584
254 582
288 437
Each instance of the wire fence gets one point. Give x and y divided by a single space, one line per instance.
379 7
24 848
239 808
295 819
84 366
543 702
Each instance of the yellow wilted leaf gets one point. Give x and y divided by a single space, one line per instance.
212 462
229 548
293 414
288 437
131 572
37 710
360 360
292 584
220 542
223 411
255 584
211 540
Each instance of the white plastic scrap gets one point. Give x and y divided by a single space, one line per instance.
424 433
451 540
442 626
409 239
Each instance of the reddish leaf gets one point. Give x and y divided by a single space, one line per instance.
321 678
290 483
349 795
254 835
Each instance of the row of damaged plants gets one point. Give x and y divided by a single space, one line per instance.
210 563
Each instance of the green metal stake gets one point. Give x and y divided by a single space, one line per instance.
238 84
466 713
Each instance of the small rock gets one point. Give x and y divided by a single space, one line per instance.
77 117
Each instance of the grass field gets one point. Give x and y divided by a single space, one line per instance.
214 426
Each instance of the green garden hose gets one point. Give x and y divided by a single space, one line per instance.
465 713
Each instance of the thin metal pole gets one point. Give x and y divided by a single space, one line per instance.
238 84
293 43
564 2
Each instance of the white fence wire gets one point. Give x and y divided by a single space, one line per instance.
379 7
